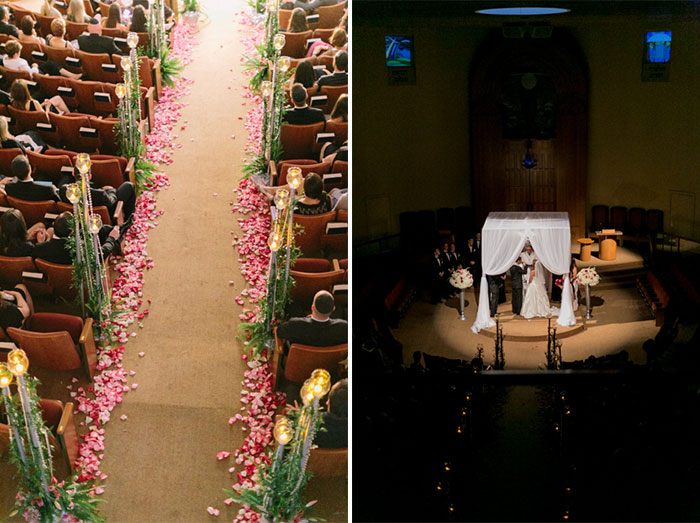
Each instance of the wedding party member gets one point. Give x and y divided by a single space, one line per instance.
473 260
536 302
517 271
439 275
455 258
528 256
335 419
496 285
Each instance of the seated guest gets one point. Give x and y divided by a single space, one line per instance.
331 152
22 100
15 307
25 188
302 114
337 42
95 42
14 62
166 10
310 6
340 109
56 249
297 22
27 140
318 330
315 200
76 12
138 20
334 431
48 9
340 71
114 20
15 239
109 197
28 34
56 38
5 26
304 74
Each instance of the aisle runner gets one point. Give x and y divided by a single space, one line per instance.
258 399
110 382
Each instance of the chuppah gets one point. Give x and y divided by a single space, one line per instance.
504 236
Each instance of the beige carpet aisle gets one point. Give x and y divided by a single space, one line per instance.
161 461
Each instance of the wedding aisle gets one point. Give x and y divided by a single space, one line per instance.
161 460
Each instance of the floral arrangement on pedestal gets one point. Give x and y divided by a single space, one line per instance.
588 276
461 279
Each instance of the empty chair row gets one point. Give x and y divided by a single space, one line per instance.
334 173
323 234
305 141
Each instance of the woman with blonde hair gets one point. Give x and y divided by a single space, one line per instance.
76 12
337 42
297 22
28 140
22 100
58 31
48 9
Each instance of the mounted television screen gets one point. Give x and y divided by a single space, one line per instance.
399 51
657 47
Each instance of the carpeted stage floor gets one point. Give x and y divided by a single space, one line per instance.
161 461
621 320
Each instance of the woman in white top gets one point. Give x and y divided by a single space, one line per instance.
14 62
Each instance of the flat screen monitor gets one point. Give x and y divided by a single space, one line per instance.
399 51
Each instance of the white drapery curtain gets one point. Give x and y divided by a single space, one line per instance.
502 240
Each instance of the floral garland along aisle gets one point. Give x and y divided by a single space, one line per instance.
110 381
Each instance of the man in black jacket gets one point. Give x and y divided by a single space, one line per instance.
109 196
302 114
96 43
340 71
5 26
517 271
56 249
25 188
335 419
318 330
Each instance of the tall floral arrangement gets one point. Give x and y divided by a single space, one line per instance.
588 276
461 279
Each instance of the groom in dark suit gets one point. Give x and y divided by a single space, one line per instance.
496 284
516 272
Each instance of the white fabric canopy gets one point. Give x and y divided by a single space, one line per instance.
502 240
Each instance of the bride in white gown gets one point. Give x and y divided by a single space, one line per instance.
536 302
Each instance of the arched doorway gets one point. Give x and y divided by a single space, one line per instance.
529 126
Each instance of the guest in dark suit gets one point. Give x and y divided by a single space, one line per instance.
455 257
5 26
472 256
56 249
25 188
302 114
340 71
496 283
96 43
335 419
517 271
318 330
109 197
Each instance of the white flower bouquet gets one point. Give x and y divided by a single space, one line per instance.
461 279
588 276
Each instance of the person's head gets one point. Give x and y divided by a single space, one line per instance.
94 27
340 61
313 186
299 95
13 229
76 11
4 130
519 260
138 20
339 38
20 167
58 27
436 252
470 242
61 227
115 16
453 247
304 74
19 92
528 248
297 22
478 236
444 246
13 48
340 110
323 305
338 399
27 25
4 13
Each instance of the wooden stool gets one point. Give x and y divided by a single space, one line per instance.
608 250
585 248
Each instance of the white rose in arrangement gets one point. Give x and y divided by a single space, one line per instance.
461 279
588 276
